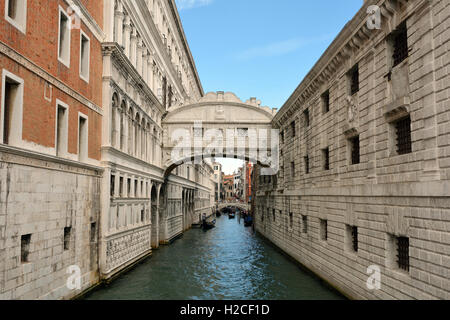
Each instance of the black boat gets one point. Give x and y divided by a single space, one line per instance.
248 221
218 214
208 225
231 215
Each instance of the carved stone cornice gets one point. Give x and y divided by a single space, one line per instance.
351 39
122 62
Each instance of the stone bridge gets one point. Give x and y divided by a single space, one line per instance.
240 205
219 125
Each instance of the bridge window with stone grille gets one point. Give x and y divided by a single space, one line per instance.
403 134
400 44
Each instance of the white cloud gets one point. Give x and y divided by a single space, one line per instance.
189 4
279 48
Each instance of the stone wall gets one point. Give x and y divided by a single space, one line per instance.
41 198
386 195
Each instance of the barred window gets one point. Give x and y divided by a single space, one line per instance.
324 229
355 151
400 44
291 220
326 158
293 128
326 101
403 131
305 224
355 238
353 75
403 253
67 232
306 116
306 164
25 241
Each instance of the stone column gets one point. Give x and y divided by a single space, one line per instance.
139 55
150 71
145 64
118 23
126 35
133 46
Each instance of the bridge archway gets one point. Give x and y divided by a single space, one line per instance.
219 125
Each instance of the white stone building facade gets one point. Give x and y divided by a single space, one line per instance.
148 67
365 158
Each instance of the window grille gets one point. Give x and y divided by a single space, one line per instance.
403 128
354 80
326 155
355 238
355 150
400 38
403 253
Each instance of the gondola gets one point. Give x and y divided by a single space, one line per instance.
208 225
248 221
231 215
218 214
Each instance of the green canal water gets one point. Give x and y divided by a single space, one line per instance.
228 262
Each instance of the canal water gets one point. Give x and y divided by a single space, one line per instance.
228 262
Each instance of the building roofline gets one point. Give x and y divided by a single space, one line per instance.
174 9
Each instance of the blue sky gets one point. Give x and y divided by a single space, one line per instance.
260 48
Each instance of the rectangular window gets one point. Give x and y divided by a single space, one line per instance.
128 187
353 77
61 129
354 150
305 224
136 191
93 235
274 215
82 138
326 101
306 159
291 220
121 187
403 133
282 136
323 230
306 117
25 241
112 185
400 44
64 38
326 158
142 215
12 104
293 128
67 232
16 13
352 238
292 169
403 253
85 47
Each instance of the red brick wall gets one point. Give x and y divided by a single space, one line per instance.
40 45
